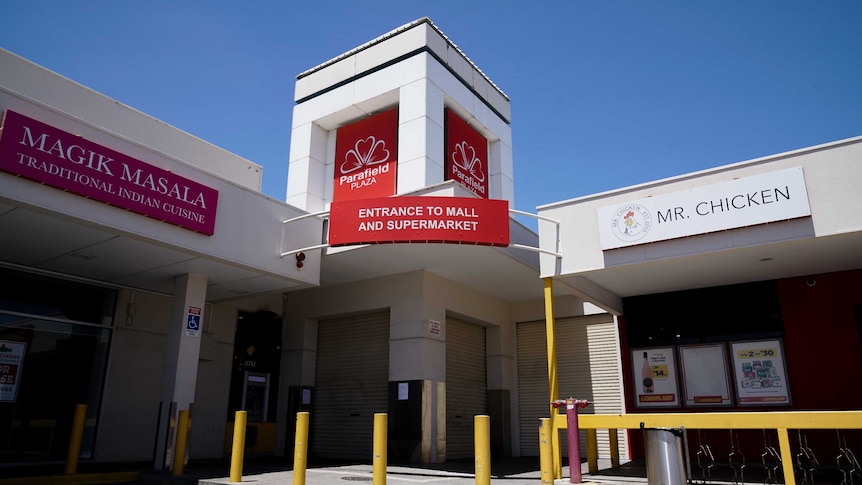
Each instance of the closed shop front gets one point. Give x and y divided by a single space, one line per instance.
352 384
54 337
466 385
588 368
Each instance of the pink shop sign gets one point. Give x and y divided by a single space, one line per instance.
48 155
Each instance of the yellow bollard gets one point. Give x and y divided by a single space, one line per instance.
592 450
553 385
300 448
380 442
556 449
182 439
75 440
482 448
787 465
615 448
238 446
546 458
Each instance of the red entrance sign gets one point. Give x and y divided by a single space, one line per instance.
40 152
453 220
466 155
366 158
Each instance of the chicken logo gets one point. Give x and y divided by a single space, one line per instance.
631 222
365 153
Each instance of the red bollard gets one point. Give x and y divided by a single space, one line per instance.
572 432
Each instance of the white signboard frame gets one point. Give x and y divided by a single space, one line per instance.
760 373
660 364
11 361
705 379
747 201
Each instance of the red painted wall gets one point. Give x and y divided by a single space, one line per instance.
821 340
823 353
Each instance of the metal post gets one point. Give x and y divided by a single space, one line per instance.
379 456
75 440
482 448
300 448
552 373
786 457
546 461
613 440
238 446
592 450
573 434
182 439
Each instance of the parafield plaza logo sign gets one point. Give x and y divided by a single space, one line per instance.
365 157
48 155
363 211
467 155
758 199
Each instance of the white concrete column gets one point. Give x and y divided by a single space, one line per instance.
309 184
181 359
421 154
417 351
501 172
298 367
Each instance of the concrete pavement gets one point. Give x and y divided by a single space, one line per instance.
265 471
510 472
271 471
402 475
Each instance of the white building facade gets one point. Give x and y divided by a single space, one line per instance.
728 285
149 275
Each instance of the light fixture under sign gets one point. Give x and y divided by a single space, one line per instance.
300 257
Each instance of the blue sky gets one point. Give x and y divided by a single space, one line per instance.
605 94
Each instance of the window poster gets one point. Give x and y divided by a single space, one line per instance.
11 358
704 375
761 377
655 377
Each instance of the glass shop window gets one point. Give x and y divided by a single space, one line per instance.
54 337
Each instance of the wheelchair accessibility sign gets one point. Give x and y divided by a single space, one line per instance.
193 321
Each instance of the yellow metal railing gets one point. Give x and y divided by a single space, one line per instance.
779 421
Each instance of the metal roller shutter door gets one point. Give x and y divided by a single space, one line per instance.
351 385
588 367
606 379
532 384
466 385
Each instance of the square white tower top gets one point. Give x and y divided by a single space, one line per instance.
417 70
